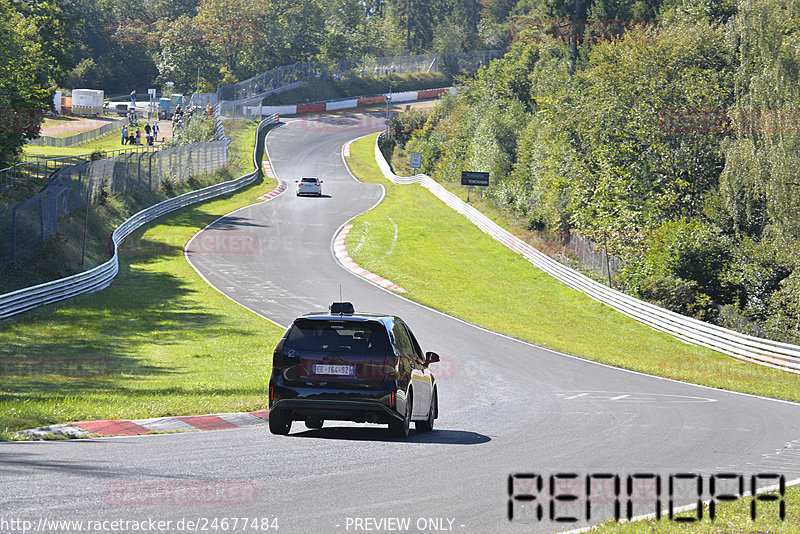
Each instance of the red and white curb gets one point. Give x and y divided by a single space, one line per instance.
268 169
275 192
136 427
271 174
346 150
340 251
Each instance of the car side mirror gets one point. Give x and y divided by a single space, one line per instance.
431 357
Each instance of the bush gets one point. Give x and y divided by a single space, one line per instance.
694 252
783 310
681 296
403 125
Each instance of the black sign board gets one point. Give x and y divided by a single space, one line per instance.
474 178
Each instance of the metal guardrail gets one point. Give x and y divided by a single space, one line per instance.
766 352
101 276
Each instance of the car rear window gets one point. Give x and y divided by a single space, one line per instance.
339 336
313 180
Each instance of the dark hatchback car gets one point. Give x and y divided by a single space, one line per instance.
347 366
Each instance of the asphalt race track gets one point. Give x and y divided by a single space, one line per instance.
505 406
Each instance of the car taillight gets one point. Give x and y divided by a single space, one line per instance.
277 360
272 393
392 399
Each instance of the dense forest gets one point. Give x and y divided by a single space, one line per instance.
675 141
126 44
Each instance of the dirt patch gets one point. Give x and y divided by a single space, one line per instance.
71 124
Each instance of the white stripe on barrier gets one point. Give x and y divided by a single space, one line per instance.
765 352
280 110
342 104
406 96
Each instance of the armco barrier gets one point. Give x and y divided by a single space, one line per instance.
766 352
332 105
102 275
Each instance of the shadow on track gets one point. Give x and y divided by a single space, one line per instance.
450 437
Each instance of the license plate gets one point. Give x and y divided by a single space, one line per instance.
339 370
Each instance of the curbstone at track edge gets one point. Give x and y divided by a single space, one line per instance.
137 427
340 251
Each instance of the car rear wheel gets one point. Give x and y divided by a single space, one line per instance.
279 422
400 428
433 412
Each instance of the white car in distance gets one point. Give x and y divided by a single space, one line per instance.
309 185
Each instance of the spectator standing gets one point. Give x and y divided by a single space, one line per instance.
155 131
133 98
208 110
138 136
147 129
124 134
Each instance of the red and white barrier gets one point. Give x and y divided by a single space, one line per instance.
333 105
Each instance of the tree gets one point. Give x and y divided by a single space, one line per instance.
229 28
27 73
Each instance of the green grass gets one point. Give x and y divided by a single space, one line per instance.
454 267
733 517
106 142
158 341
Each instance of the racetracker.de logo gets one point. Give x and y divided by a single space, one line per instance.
729 121
25 120
220 242
169 32
65 367
580 31
179 493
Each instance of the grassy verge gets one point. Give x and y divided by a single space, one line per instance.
109 141
732 517
502 291
159 341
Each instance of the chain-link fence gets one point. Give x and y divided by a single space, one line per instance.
27 225
267 82
77 138
43 169
592 256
